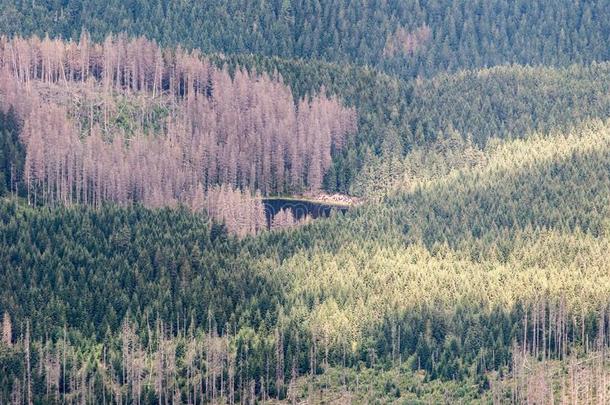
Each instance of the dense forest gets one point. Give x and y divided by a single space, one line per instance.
198 313
139 138
197 127
418 37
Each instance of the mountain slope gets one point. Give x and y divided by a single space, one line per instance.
445 277
406 37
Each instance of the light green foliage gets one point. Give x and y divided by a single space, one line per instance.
439 276
475 271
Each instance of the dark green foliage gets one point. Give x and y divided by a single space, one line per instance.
543 209
508 102
464 33
12 153
89 269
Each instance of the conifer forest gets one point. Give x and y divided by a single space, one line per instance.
304 202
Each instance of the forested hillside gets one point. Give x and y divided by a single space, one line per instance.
469 142
193 127
410 38
289 304
392 116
